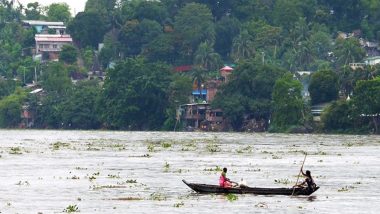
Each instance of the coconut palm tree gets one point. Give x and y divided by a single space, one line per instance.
198 77
348 51
206 57
242 46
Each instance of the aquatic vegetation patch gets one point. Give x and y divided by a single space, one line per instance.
166 167
282 181
128 199
266 152
71 209
57 145
351 144
74 177
93 176
80 168
253 170
15 151
182 170
99 187
346 188
141 156
166 145
180 204
216 169
189 147
114 176
150 148
276 157
23 183
247 149
211 147
261 205
232 197
156 196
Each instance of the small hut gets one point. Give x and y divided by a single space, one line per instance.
225 72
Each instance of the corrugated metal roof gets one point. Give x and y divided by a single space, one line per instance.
38 22
53 38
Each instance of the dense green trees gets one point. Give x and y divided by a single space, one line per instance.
248 94
288 104
338 117
135 34
80 109
10 109
263 38
207 58
323 86
59 12
135 95
348 51
367 100
87 28
193 25
55 78
68 54
33 11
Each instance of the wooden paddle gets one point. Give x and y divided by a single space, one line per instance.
294 187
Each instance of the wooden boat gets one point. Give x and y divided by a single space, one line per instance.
206 188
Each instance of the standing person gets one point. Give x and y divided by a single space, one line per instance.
223 180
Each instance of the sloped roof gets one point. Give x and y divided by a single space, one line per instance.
227 68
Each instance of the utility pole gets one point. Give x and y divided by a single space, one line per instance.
35 73
263 55
24 76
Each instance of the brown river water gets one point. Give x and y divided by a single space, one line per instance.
142 172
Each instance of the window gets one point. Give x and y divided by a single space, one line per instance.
46 46
55 46
40 46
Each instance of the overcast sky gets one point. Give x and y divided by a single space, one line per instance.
75 5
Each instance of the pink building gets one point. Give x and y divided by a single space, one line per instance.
49 45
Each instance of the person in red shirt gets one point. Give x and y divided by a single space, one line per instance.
223 180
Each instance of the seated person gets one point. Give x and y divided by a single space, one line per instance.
223 180
308 181
242 183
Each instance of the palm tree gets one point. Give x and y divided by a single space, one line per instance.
348 50
242 46
206 57
198 77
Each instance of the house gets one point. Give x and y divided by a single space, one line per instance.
316 110
211 89
49 45
45 27
225 72
201 116
371 61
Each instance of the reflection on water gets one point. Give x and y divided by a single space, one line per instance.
142 172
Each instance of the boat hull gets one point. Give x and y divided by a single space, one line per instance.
206 188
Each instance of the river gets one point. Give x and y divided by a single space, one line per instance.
141 172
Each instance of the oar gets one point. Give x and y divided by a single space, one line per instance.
294 187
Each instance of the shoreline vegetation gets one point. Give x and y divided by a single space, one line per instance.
290 66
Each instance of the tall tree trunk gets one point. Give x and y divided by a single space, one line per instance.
375 119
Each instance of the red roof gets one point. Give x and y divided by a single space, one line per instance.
227 68
183 68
